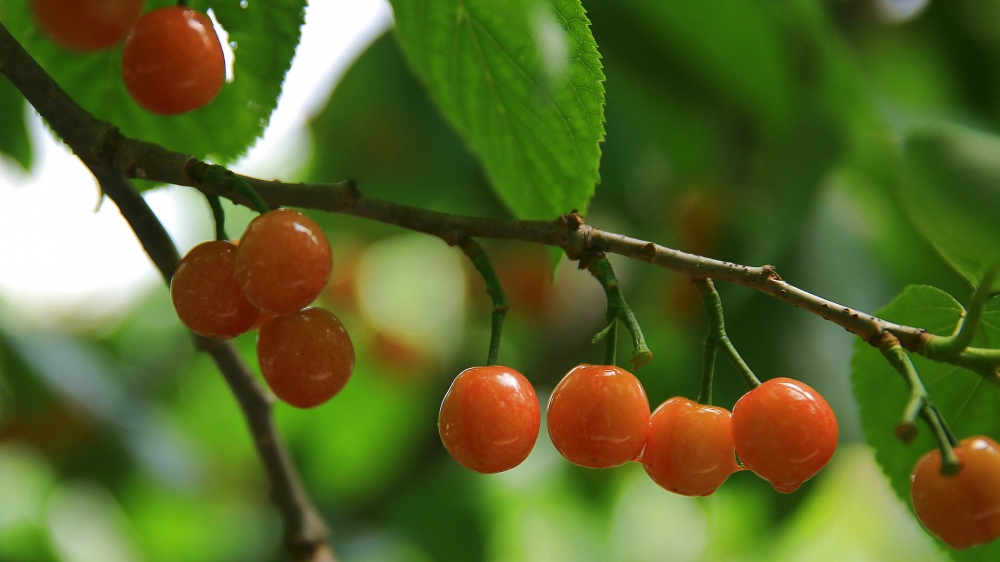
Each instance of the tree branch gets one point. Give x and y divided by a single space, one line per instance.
96 143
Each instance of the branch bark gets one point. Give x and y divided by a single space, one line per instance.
96 143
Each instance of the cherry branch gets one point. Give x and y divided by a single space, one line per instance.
93 141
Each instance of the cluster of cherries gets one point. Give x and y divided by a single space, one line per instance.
599 417
280 265
172 60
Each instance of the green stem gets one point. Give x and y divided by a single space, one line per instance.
219 214
222 177
717 331
494 290
618 309
708 372
611 344
919 403
951 346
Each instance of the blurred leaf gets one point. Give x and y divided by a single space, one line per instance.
380 128
266 34
970 404
951 190
14 141
521 82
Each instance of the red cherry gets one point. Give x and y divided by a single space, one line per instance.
963 510
206 295
283 262
489 419
172 61
598 416
306 357
785 432
690 448
86 25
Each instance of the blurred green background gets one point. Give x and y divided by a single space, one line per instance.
755 132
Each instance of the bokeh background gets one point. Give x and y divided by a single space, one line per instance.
751 132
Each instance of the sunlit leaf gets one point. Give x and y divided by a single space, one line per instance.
967 401
521 82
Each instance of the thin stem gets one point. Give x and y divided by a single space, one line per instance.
219 215
919 402
717 331
599 266
611 342
708 372
494 289
941 348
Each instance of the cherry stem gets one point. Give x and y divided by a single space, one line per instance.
708 372
599 266
493 289
920 404
224 178
219 214
717 332
944 348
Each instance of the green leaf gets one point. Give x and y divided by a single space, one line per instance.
969 403
521 82
265 33
951 190
14 141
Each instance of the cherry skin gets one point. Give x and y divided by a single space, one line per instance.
489 419
785 432
206 295
306 357
172 61
690 448
283 262
962 510
86 26
598 416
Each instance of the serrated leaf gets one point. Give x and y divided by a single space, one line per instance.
14 141
521 82
951 190
266 34
968 403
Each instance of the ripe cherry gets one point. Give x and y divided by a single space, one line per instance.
85 26
598 416
963 510
283 261
172 61
306 357
690 448
489 419
785 432
206 295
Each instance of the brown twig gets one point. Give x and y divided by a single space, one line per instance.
95 143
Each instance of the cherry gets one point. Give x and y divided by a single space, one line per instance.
489 418
306 357
283 262
598 416
206 295
963 510
785 432
172 61
690 448
85 26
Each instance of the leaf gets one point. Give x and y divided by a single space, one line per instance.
265 33
521 82
14 141
951 190
969 403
